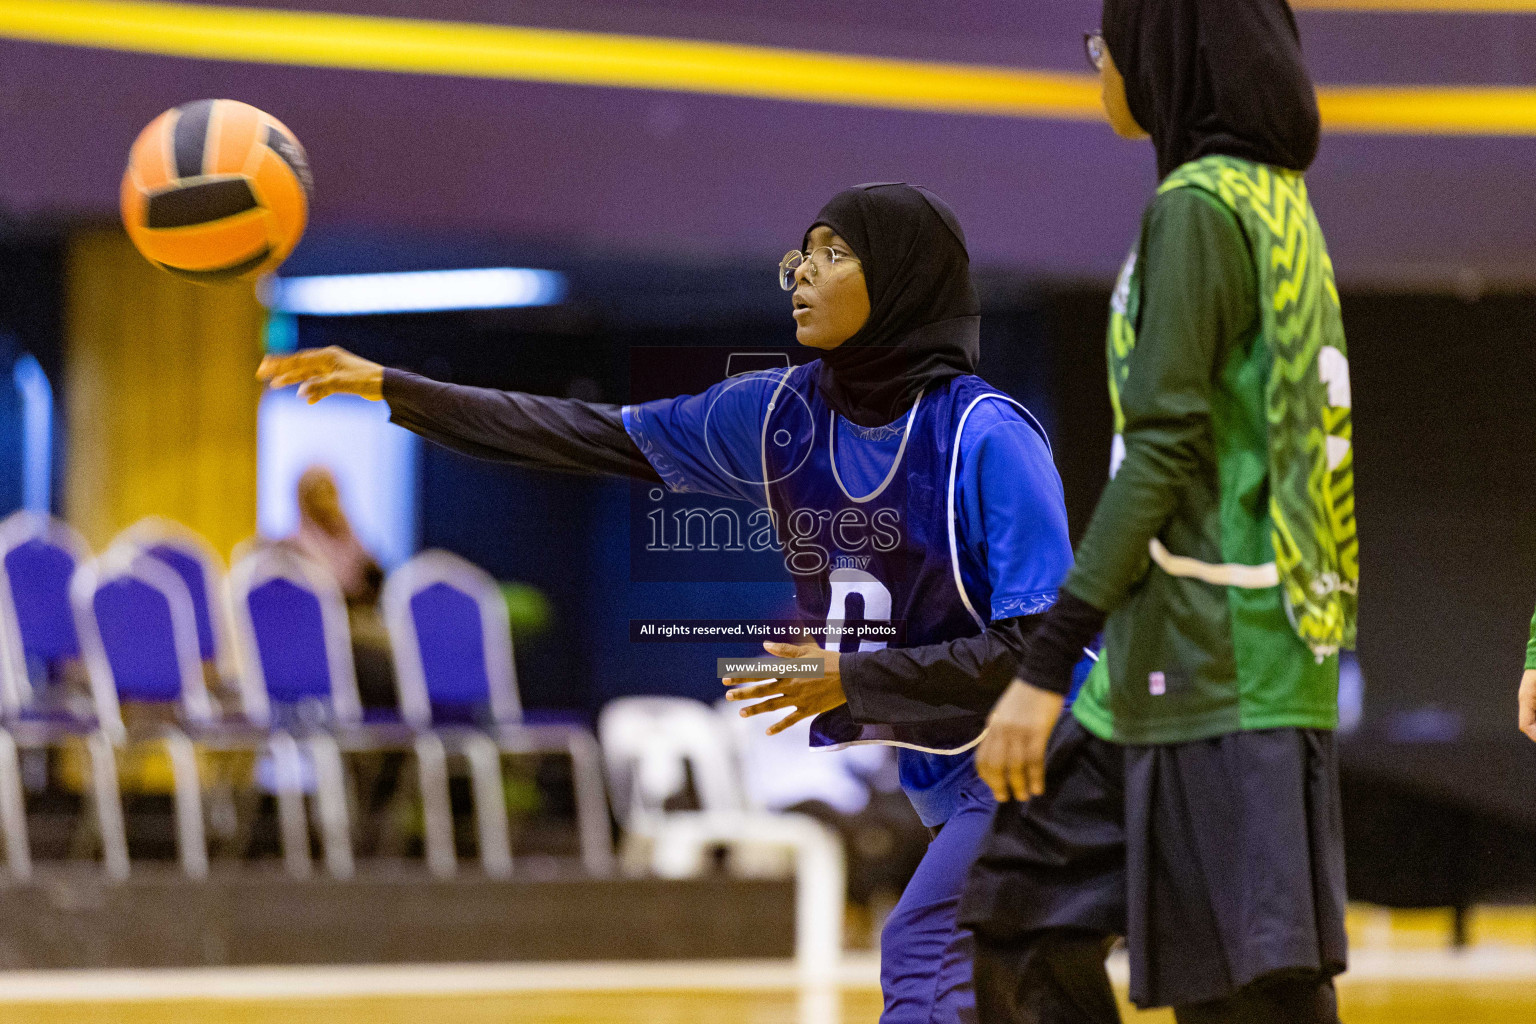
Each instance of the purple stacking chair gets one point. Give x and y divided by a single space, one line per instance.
38 639
138 630
192 558
38 556
292 633
454 667
138 636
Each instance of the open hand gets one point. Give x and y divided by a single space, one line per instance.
1011 758
807 695
1528 703
324 371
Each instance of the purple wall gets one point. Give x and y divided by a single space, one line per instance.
677 176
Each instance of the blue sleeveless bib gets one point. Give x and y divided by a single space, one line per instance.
888 556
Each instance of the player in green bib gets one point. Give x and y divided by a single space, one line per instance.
1188 801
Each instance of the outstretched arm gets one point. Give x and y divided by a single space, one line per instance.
958 679
560 434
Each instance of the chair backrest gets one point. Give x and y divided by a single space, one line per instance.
782 770
202 570
291 631
451 638
38 557
138 635
652 744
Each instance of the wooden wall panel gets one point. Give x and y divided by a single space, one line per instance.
160 395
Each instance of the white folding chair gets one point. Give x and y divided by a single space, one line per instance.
653 746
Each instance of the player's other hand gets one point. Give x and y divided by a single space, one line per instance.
324 371
1528 703
805 695
1011 758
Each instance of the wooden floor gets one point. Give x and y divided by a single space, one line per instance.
1401 973
1503 1002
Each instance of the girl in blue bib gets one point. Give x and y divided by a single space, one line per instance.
904 490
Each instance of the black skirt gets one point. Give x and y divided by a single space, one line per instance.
1219 860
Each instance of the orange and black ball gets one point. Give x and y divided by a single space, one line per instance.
216 190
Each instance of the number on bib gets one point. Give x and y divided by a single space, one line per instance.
877 604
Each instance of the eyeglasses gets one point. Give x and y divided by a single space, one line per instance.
1093 45
815 261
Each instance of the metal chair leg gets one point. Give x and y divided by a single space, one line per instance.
490 805
192 838
436 805
289 771
108 800
331 802
13 811
591 802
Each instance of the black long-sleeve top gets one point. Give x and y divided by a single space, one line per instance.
935 682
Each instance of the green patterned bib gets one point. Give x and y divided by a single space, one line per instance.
1307 398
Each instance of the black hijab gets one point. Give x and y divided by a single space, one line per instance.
924 323
1215 76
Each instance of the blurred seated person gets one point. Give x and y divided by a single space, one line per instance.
325 536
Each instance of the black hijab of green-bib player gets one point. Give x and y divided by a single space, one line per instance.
924 325
1215 76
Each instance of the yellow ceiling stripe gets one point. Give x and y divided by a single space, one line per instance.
547 55
1436 111
1421 6
641 62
